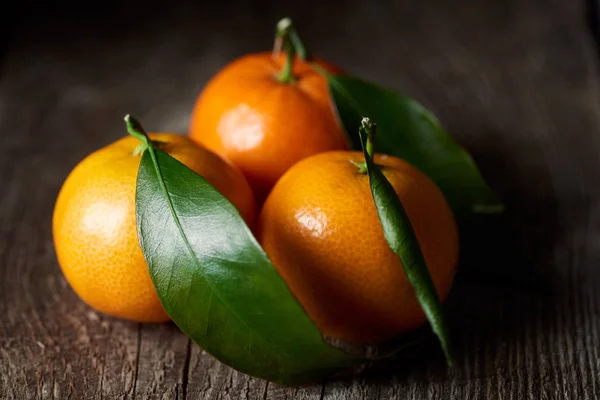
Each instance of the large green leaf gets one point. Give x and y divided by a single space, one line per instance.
216 282
408 131
402 240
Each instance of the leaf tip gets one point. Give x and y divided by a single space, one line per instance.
449 355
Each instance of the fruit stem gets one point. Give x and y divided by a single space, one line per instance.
368 127
135 129
367 135
286 75
287 38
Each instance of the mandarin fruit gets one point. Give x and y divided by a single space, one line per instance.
320 228
265 113
94 224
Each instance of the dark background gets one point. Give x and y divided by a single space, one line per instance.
516 82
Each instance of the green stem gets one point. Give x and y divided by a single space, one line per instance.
287 37
134 128
287 75
367 128
298 45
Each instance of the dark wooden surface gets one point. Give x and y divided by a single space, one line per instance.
517 82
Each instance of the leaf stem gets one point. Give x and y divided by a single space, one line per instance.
367 128
287 38
135 129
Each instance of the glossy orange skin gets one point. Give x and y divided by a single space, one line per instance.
264 126
94 225
320 228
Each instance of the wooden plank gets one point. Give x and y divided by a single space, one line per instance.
308 392
209 379
51 345
163 358
516 82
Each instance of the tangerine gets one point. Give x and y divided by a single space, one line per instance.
94 224
266 112
320 228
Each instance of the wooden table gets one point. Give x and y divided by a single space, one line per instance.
517 82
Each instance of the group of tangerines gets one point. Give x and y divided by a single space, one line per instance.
264 132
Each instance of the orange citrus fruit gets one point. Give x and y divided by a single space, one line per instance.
320 228
265 126
94 225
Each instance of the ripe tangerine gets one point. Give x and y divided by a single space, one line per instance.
264 123
320 228
94 225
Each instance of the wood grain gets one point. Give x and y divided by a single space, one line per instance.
517 82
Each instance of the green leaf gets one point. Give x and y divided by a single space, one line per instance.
216 282
401 238
408 131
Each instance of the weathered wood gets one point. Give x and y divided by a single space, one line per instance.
516 82
163 358
51 345
209 379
